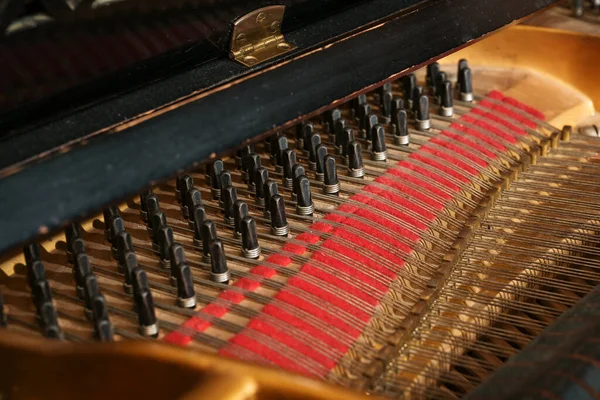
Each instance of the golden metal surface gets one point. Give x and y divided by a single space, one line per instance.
257 36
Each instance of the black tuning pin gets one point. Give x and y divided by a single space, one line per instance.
193 200
386 105
309 130
320 164
382 90
90 290
362 112
48 320
116 226
356 168
371 121
226 181
279 224
465 84
229 197
158 221
409 82
199 218
433 70
270 189
176 257
315 141
250 164
143 204
3 318
303 131
340 126
378 147
81 270
296 172
289 160
277 147
78 247
219 271
446 99
164 241
109 214
128 267
401 137
422 114
416 95
439 82
250 246
462 64
152 207
240 210
209 234
241 153
182 185
215 178
357 105
35 272
261 175
31 252
103 328
186 294
331 184
346 137
72 232
397 105
331 117
144 304
304 202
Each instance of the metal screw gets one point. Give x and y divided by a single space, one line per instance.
261 17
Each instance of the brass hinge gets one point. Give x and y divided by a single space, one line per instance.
257 36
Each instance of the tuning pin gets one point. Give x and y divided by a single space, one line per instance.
462 64
578 7
397 105
320 164
103 329
240 210
31 252
331 184
346 137
439 83
226 181
229 197
249 233
41 294
186 294
193 200
340 126
250 163
423 121
182 185
3 316
144 304
109 214
362 113
158 221
356 168
331 117
241 153
465 84
289 160
48 320
90 290
35 271
176 257
209 234
378 148
303 131
129 265
315 141
447 100
116 226
72 232
416 95
371 121
270 189
409 82
357 104
215 179
280 144
143 204
81 270
432 71
304 202
401 137
165 240
152 207
386 106
382 90
261 175
219 271
199 218
279 225
296 172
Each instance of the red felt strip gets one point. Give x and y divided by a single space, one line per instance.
440 167
468 142
494 94
455 160
339 283
443 142
337 264
429 174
